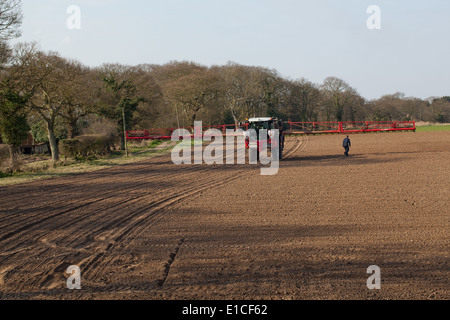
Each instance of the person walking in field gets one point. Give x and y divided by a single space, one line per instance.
347 144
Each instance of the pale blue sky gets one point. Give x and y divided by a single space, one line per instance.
311 39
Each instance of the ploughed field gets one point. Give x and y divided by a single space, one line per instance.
154 230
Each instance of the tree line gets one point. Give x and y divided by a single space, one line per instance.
57 98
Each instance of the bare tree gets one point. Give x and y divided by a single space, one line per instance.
10 19
80 97
194 92
341 101
128 92
388 107
440 110
5 54
18 83
241 90
54 75
171 111
304 99
10 22
150 107
333 89
271 86
354 104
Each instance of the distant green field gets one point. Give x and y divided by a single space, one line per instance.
433 128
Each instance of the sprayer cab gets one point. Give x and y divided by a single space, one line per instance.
254 126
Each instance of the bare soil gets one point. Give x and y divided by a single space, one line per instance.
154 230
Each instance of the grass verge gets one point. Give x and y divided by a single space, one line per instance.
436 128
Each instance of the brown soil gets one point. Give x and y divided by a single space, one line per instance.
154 230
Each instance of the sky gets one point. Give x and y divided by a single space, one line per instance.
312 39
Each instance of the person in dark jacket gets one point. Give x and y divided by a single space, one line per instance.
347 144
